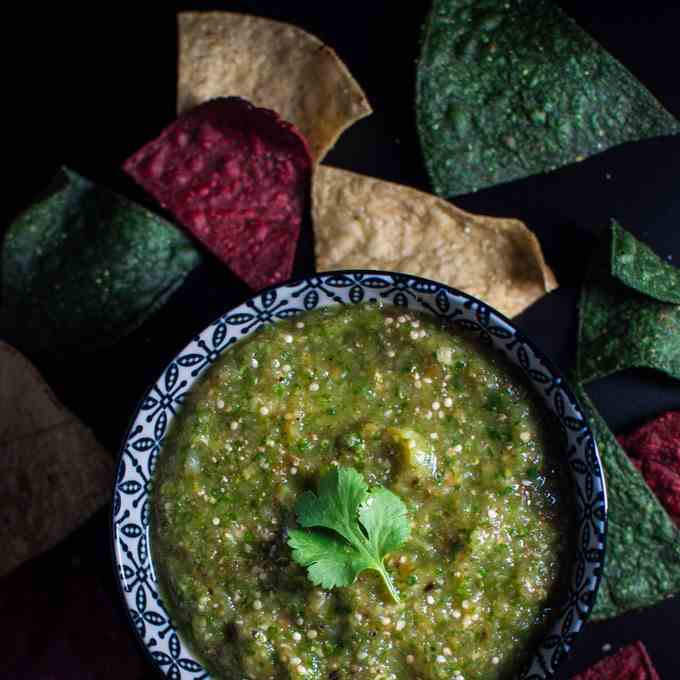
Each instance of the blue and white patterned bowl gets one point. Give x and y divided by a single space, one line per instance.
144 441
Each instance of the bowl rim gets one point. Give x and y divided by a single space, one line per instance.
563 608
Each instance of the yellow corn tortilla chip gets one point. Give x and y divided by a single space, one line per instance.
273 65
362 222
53 473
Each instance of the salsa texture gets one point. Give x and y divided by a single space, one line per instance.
414 406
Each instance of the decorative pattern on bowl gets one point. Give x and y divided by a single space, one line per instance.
130 513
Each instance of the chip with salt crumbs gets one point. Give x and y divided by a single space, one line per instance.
631 662
654 449
271 64
368 223
237 177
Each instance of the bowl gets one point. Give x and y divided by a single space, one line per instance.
144 441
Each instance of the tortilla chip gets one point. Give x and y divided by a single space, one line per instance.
366 223
237 177
53 473
83 267
510 89
637 266
654 449
622 322
273 65
643 544
630 662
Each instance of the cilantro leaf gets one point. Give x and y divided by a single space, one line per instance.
330 561
366 525
383 515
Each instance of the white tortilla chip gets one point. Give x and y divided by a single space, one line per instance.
53 473
273 65
366 223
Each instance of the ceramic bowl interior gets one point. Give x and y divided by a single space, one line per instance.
144 441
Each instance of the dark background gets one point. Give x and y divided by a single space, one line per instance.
87 87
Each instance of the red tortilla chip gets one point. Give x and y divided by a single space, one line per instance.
655 450
237 177
629 663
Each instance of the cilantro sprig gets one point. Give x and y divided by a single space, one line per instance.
366 525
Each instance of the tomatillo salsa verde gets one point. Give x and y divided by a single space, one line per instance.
355 386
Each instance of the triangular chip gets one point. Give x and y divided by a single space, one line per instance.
237 177
643 545
273 65
510 88
53 473
625 318
366 223
83 267
637 266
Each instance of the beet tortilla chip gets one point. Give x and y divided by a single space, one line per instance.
237 177
654 449
629 663
53 473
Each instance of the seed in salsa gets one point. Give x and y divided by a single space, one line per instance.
414 406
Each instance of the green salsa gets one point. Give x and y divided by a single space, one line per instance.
413 405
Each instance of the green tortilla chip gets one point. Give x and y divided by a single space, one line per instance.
83 267
642 564
509 88
621 327
638 266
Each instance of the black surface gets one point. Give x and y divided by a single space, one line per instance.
87 87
